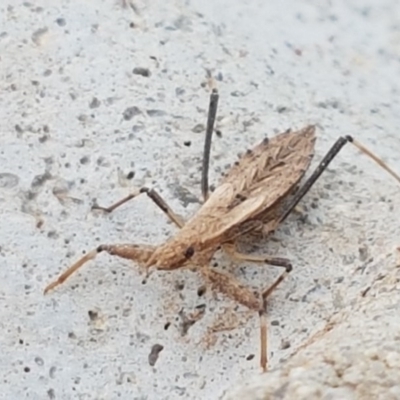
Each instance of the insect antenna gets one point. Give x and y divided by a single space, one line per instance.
212 112
338 145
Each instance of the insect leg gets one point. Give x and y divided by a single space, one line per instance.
324 164
138 253
263 258
212 112
153 195
238 292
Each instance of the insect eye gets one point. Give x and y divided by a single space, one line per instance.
189 252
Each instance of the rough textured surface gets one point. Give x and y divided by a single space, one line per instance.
356 356
92 91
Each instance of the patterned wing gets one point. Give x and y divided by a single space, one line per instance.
259 180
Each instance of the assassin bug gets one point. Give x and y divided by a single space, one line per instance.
254 197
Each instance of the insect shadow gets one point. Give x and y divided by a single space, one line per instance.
253 198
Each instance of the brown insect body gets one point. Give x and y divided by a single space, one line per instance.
251 198
250 190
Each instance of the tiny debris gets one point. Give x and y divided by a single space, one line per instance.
39 35
285 344
201 290
61 22
95 103
8 181
39 361
199 128
130 175
93 315
188 320
51 394
142 71
156 113
131 112
155 351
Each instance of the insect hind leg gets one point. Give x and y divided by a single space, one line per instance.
244 295
335 149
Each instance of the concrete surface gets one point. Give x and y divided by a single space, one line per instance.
78 116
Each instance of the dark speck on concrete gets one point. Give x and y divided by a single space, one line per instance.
154 353
156 113
131 112
95 103
142 71
61 22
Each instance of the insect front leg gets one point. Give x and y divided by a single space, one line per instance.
138 253
155 197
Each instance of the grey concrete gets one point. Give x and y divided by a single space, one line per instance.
70 133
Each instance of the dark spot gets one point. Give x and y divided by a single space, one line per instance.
130 112
188 320
95 103
281 109
249 152
93 315
52 372
179 91
156 113
218 133
8 181
51 394
167 325
240 197
142 71
61 22
189 252
27 369
199 128
179 285
155 351
187 143
265 140
130 175
250 357
84 160
201 291
39 361
18 129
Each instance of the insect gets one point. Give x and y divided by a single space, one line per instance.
254 197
